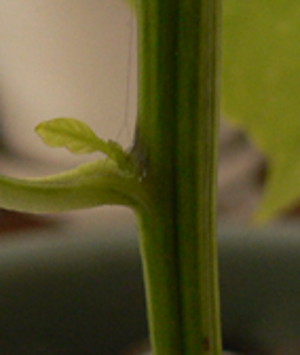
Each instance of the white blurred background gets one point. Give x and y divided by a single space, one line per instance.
69 58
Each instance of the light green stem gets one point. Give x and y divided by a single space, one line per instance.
176 139
90 185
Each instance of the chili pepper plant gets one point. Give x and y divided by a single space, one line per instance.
168 176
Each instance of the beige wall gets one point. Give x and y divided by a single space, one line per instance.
65 58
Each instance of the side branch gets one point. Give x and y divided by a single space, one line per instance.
89 185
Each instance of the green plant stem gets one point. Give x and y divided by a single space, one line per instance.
89 185
176 146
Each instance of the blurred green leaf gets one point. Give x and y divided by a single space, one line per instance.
261 89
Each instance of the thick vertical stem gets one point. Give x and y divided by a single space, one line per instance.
161 283
176 148
197 111
154 147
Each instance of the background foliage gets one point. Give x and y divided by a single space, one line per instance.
261 80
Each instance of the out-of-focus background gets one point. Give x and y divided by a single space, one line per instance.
71 283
